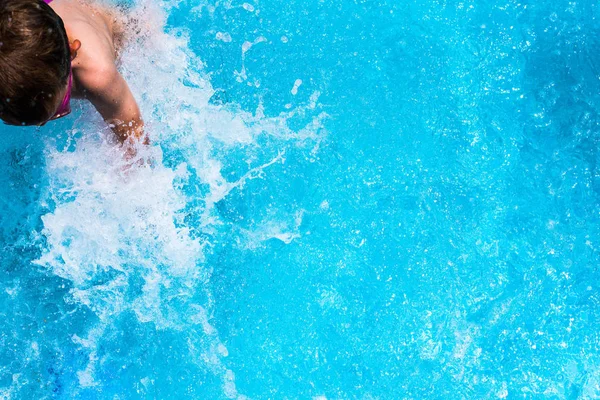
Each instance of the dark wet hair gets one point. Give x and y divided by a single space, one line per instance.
34 61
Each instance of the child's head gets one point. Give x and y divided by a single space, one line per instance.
34 62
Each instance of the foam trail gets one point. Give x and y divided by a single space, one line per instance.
118 233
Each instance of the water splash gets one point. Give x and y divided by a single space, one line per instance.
128 239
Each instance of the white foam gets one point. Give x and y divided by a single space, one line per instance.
223 36
297 84
246 46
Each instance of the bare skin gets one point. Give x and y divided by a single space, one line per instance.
91 31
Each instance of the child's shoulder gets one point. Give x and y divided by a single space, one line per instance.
86 19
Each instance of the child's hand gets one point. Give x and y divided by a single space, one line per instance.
136 147
132 131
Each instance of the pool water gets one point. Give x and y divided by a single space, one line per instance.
344 199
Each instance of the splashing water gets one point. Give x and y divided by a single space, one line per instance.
341 200
128 242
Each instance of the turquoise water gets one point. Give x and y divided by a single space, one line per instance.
347 199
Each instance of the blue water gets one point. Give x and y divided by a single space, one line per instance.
347 199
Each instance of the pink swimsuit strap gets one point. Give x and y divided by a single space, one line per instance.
47 1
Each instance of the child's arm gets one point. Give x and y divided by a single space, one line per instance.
106 89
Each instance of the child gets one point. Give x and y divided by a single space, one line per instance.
52 50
